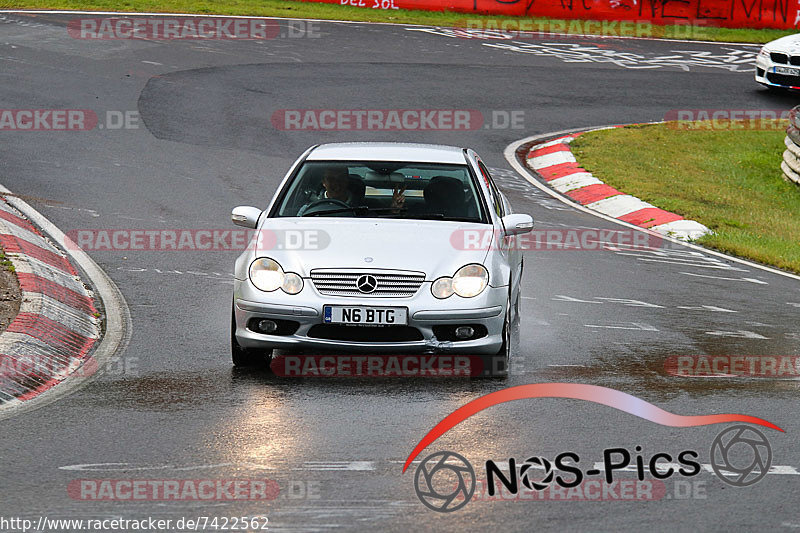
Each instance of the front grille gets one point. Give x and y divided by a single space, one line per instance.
777 57
389 283
783 79
339 332
794 60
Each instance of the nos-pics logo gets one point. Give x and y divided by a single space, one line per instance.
445 481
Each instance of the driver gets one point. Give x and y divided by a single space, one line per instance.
335 181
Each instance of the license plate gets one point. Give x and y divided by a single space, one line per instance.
377 316
788 71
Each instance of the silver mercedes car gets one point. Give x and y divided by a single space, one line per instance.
388 248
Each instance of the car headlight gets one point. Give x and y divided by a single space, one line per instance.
763 52
442 288
268 276
292 283
468 281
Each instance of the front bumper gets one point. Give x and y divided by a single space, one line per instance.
305 329
765 74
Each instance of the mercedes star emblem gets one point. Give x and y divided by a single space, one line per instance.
366 283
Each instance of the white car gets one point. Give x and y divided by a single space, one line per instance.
390 275
778 63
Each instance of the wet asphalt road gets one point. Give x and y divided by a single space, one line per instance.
173 408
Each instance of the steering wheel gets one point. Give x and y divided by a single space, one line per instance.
326 204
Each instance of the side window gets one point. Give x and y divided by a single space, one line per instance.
497 201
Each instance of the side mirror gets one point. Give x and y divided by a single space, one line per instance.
245 216
517 224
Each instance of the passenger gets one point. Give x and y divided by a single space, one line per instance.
445 195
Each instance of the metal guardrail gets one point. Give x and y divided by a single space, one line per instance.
791 157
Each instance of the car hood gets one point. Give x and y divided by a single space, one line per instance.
789 44
433 247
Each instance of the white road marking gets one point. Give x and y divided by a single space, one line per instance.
629 303
741 334
750 280
728 58
719 265
108 467
637 326
713 308
152 63
92 212
216 276
793 304
563 298
337 465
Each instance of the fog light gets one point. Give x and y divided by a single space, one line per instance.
464 332
267 326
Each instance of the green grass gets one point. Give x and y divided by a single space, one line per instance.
728 179
5 263
288 8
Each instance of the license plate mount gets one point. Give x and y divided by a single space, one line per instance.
788 71
361 315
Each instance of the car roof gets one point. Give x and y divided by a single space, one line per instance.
386 151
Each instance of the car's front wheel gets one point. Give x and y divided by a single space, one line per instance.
247 357
497 365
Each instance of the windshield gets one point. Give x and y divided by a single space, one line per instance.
382 189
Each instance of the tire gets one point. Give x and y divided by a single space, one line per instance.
497 365
247 357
